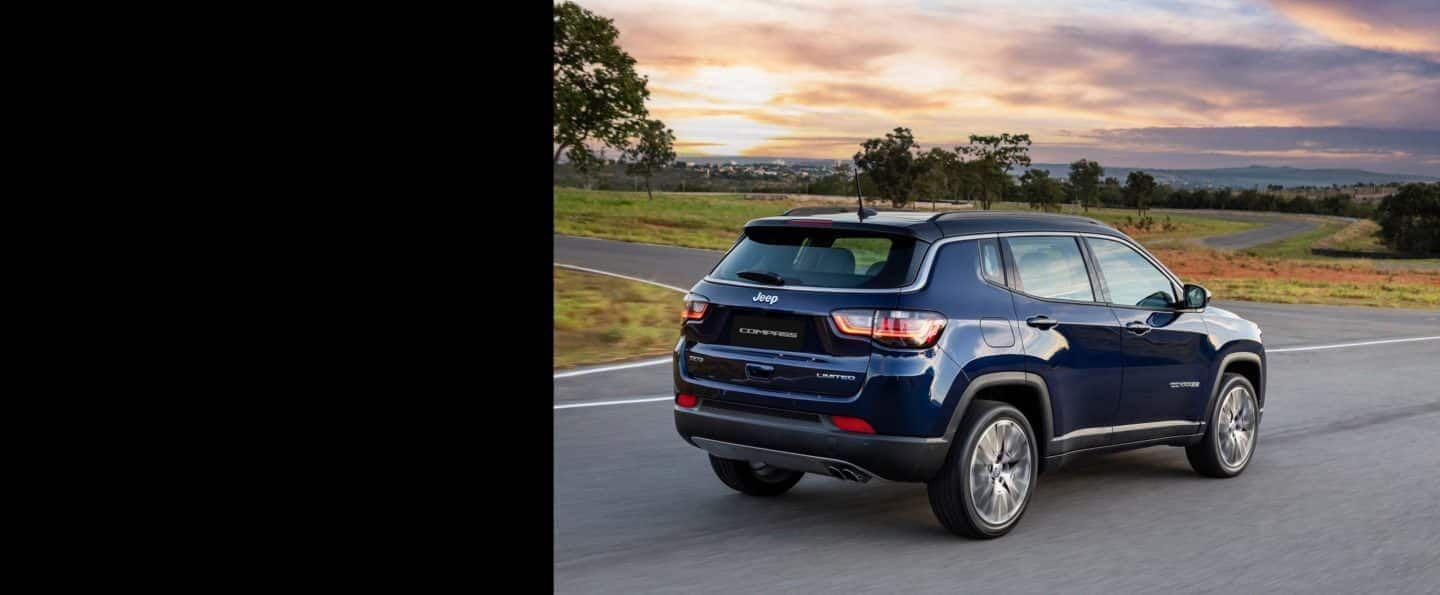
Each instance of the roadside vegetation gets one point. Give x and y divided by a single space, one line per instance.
693 221
713 221
1151 229
1361 236
1355 243
1282 272
603 319
1247 277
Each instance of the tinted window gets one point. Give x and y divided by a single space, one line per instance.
1131 279
990 266
823 258
1051 267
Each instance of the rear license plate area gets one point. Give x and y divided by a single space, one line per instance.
767 333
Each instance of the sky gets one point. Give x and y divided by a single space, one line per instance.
1159 84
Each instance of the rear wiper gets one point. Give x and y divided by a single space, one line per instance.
761 276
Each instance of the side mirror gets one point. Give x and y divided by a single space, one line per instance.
1196 297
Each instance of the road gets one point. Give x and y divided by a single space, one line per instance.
1277 227
1343 495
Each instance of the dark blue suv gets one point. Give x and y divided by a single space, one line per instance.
969 351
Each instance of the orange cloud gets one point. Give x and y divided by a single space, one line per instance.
1411 26
862 96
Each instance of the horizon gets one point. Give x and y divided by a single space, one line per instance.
788 158
1207 84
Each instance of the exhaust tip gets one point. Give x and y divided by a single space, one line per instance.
848 474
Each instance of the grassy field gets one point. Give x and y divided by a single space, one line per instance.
1282 272
714 221
1184 226
1285 291
1359 236
1243 276
600 319
711 221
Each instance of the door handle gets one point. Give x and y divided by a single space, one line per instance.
1042 322
1137 327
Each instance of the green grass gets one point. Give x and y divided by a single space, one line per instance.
600 319
1291 291
1364 236
696 221
1185 226
714 221
1360 236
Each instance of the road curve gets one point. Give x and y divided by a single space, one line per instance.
1277 226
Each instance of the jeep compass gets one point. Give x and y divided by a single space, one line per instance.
967 350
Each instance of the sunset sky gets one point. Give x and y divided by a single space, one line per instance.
1207 83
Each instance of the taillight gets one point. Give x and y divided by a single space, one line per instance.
686 400
695 308
893 328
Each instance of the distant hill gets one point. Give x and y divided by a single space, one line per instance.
1250 177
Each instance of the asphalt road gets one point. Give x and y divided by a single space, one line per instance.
1343 495
1277 227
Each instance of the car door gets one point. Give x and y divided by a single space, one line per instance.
1071 339
1167 351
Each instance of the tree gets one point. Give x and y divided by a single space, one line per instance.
996 154
599 98
1139 188
653 150
1111 193
588 163
1040 190
1410 219
891 163
1085 181
940 175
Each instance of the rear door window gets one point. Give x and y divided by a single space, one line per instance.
822 258
1050 267
990 264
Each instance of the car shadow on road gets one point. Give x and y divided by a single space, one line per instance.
827 508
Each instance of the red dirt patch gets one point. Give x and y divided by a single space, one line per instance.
1233 265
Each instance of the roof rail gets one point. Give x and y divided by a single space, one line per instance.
1086 219
944 213
825 211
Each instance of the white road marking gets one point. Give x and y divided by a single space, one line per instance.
655 399
648 362
603 403
1343 345
618 275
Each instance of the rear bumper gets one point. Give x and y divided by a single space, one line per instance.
809 443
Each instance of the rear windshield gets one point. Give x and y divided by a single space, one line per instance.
822 258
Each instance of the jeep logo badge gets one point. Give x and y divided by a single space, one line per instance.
768 299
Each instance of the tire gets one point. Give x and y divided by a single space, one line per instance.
754 479
1232 431
953 493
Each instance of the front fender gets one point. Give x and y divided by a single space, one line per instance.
1237 351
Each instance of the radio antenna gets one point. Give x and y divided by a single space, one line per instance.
859 200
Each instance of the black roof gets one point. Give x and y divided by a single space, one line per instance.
933 226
